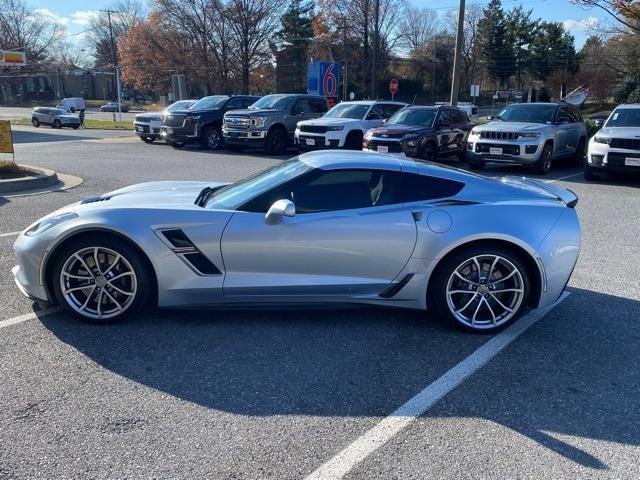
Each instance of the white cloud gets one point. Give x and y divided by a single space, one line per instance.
83 17
49 15
582 25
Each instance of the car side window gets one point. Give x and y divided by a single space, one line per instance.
444 116
323 191
318 105
416 187
574 113
390 108
301 107
563 115
235 104
247 102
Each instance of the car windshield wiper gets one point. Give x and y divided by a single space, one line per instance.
203 196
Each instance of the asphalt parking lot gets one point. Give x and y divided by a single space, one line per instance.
287 394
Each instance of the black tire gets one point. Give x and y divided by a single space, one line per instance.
56 124
144 277
211 138
72 110
147 139
589 173
462 155
353 141
75 127
35 122
581 153
475 165
543 165
437 296
428 152
277 142
176 145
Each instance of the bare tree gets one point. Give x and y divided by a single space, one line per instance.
418 27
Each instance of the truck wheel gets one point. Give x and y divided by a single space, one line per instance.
72 110
353 141
277 142
211 138
543 165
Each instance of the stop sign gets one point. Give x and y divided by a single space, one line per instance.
393 86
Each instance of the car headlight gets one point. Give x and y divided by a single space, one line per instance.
48 222
530 135
257 122
474 132
335 129
411 141
606 140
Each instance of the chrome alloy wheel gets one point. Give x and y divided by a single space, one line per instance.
485 291
98 282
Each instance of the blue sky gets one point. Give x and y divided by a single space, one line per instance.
74 14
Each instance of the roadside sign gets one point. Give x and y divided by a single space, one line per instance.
393 86
352 95
6 139
475 91
9 58
323 78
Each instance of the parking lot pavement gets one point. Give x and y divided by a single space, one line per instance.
16 113
277 394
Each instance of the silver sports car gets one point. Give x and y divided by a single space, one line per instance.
326 227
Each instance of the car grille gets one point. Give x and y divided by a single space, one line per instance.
313 128
319 141
506 149
500 135
615 159
143 119
394 147
626 143
232 121
174 120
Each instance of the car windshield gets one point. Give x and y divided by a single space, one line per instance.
234 195
422 116
272 102
527 112
348 110
624 117
180 105
210 103
59 111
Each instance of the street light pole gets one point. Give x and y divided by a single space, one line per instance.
115 61
455 81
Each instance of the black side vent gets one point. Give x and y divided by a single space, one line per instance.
185 248
178 239
394 288
201 263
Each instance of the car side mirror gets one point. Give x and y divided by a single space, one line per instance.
279 210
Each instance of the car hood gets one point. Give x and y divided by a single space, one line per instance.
510 127
68 117
256 112
619 132
400 130
167 194
322 122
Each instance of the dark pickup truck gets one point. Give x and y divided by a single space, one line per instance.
202 123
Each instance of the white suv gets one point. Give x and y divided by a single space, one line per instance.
147 125
616 146
344 125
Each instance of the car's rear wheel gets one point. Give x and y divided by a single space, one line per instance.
57 124
35 122
101 281
277 142
353 141
589 173
543 165
480 289
211 138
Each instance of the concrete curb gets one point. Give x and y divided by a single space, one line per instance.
44 178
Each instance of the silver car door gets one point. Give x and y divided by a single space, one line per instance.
563 132
333 253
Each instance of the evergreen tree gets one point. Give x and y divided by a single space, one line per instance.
521 30
495 48
295 36
553 49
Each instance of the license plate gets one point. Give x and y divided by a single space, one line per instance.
169 131
632 162
495 151
310 141
383 149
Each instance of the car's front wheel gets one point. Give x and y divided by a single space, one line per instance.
57 124
277 142
543 164
35 122
211 138
480 289
101 281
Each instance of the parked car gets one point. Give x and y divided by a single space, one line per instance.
616 147
72 104
344 125
467 107
147 125
332 227
202 122
270 123
56 117
422 132
113 107
530 134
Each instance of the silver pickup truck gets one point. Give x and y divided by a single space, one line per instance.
531 134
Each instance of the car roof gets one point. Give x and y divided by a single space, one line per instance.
628 105
371 102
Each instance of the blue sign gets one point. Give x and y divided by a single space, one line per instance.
323 78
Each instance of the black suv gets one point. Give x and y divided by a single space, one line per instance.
422 132
202 123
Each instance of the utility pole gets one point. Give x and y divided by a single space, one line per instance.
455 81
114 60
433 68
345 78
376 36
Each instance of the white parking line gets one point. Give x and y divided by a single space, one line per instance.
564 178
338 466
29 316
9 234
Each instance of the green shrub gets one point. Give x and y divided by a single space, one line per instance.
625 90
634 97
591 127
